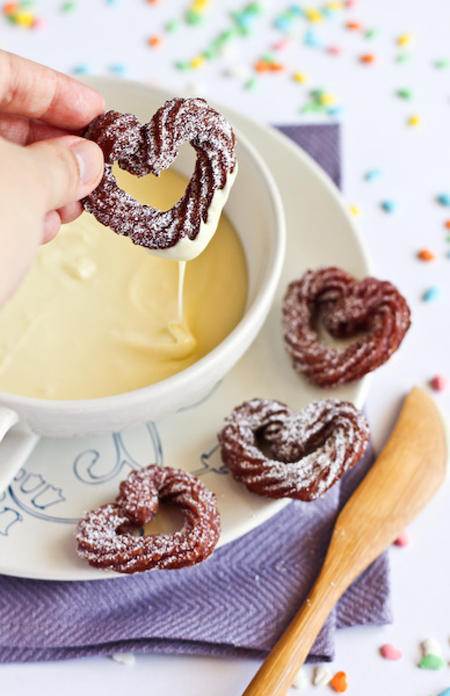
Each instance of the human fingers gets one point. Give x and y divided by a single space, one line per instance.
23 131
66 169
38 92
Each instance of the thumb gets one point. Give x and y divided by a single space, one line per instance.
65 169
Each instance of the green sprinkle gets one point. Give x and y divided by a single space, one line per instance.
182 65
442 63
193 17
432 662
371 33
405 93
403 57
172 26
69 6
252 83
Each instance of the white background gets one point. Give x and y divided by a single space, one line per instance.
415 166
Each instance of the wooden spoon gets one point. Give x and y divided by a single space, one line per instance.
406 475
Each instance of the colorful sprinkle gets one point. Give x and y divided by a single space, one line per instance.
446 692
389 206
299 77
444 199
373 174
414 120
442 63
434 662
403 539
439 383
432 294
367 58
405 40
311 39
322 676
355 210
155 41
405 93
339 682
389 652
430 646
426 255
353 25
371 33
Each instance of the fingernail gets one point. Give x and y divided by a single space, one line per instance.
88 155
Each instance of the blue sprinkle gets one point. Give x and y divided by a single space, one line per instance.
431 294
311 39
374 174
296 10
446 692
335 111
118 68
82 69
282 24
444 199
389 206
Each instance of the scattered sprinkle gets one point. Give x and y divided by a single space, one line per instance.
446 692
426 255
447 224
389 652
371 33
299 679
322 676
355 210
405 93
441 63
299 77
439 383
405 40
124 658
444 199
373 174
311 39
339 682
367 58
414 120
68 6
155 41
434 662
403 539
389 206
432 294
353 25
403 57
430 646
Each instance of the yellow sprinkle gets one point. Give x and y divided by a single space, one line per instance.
199 5
404 40
299 77
334 5
414 121
24 19
197 62
313 15
355 210
327 99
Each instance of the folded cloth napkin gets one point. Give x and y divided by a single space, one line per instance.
237 603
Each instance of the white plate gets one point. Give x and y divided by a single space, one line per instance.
63 478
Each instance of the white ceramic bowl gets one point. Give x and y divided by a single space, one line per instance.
255 209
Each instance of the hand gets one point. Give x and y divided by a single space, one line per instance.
45 167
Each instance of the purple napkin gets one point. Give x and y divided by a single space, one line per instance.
236 603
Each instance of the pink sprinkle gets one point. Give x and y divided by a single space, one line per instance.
439 383
389 652
334 50
404 539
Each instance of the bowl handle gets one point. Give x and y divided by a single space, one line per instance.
16 444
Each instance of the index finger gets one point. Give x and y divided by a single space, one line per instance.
34 91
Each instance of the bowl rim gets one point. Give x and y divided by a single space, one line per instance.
250 323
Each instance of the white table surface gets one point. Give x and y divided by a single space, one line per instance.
105 36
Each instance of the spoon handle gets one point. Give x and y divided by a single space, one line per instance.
404 478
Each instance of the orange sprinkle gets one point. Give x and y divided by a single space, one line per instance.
426 255
154 41
367 58
353 25
339 682
268 66
10 8
447 224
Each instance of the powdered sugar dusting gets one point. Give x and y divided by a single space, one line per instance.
105 538
278 453
151 148
347 307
